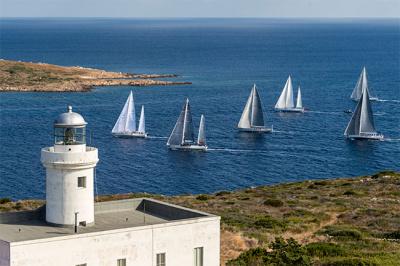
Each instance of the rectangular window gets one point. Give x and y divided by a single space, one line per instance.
198 256
82 181
161 259
121 262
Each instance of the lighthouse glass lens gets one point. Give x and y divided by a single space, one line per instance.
69 136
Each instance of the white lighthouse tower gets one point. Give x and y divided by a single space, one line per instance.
69 173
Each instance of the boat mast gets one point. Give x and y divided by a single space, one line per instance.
184 122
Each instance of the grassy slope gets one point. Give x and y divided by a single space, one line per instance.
355 213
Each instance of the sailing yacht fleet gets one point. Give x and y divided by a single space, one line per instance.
360 126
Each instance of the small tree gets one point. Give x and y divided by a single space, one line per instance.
283 253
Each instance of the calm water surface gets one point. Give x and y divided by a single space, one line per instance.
223 58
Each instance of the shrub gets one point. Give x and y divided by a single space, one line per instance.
349 193
270 223
321 183
350 262
222 193
18 206
392 235
323 249
202 197
273 202
283 253
5 200
344 233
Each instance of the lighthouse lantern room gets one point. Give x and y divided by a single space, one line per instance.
70 172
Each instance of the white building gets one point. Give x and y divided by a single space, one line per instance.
72 230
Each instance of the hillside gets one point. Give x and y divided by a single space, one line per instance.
24 76
348 221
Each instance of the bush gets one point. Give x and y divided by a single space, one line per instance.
5 200
269 222
324 250
18 206
222 193
349 193
283 253
202 197
273 202
392 235
350 262
344 233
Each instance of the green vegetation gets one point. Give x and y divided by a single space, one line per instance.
283 253
350 221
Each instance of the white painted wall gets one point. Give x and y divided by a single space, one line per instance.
139 245
4 253
63 196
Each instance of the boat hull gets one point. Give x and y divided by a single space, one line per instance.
130 135
256 130
366 137
193 147
290 110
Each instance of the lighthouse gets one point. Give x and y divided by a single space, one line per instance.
70 168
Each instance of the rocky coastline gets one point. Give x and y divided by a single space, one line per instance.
40 77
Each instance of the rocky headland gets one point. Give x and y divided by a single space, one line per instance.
27 76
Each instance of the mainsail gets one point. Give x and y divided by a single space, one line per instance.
286 98
362 120
362 83
252 113
183 130
299 103
201 138
142 123
126 121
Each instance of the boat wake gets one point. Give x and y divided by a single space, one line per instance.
392 101
391 140
324 112
156 137
235 150
284 132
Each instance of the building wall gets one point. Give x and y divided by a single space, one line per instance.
4 253
64 197
138 245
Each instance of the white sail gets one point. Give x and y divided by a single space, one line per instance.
299 103
183 130
142 122
286 98
201 138
257 116
362 83
126 121
362 120
245 119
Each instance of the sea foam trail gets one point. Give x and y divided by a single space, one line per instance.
324 112
156 137
235 150
392 101
391 140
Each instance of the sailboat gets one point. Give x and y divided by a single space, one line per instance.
362 84
361 125
182 137
285 102
252 119
126 123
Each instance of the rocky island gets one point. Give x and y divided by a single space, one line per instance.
26 76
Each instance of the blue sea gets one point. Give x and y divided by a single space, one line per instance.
223 58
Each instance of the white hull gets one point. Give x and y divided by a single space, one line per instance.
371 136
130 135
193 147
256 130
290 110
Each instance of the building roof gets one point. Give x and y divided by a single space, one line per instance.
111 215
69 119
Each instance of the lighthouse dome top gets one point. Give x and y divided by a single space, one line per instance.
70 119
